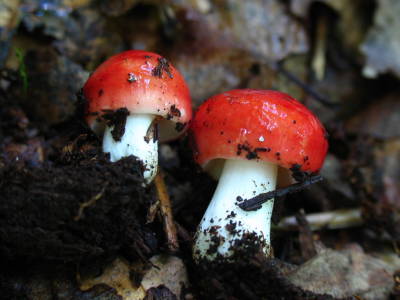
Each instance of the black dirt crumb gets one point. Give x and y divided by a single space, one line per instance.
250 243
117 119
214 230
215 239
163 66
297 174
173 112
262 149
231 227
215 242
251 153
231 215
278 155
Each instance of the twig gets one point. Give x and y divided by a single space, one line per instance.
318 62
308 89
90 202
336 219
152 211
166 213
256 202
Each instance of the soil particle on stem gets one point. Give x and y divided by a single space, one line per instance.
117 120
231 227
232 214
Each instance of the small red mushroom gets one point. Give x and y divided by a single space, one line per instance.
242 137
148 90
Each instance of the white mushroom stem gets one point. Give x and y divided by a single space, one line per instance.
135 141
224 223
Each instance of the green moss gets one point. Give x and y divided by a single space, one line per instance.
22 69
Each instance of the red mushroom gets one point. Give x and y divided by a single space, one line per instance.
242 137
146 89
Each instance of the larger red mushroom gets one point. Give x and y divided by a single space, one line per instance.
140 90
242 137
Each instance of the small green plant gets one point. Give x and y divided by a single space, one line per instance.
22 69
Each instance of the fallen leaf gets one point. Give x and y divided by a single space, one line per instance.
168 271
116 275
165 271
345 273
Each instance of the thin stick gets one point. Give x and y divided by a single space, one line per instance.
255 202
336 219
307 88
318 62
166 213
91 201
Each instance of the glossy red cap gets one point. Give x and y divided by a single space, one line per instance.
142 82
258 124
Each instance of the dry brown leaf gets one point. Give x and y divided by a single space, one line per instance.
116 275
168 271
165 270
345 273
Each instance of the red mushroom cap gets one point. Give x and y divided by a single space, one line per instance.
142 82
258 124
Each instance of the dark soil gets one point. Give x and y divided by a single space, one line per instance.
69 212
252 277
